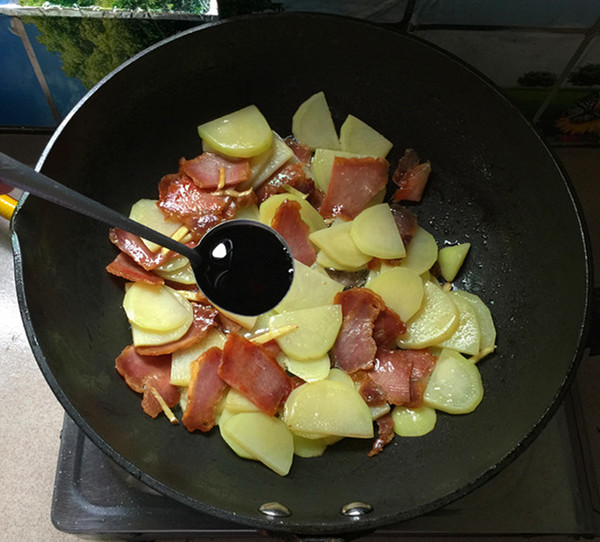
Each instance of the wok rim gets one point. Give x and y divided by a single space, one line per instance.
341 526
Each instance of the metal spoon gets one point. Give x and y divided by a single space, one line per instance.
242 266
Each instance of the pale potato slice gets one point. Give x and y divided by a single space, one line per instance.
146 212
316 332
336 241
434 322
326 262
263 437
455 384
308 213
183 275
400 288
310 288
235 403
247 322
144 337
421 252
173 264
467 337
322 164
309 447
181 359
280 154
241 134
451 258
338 375
374 232
325 408
313 125
358 136
222 420
156 307
486 323
249 212
413 422
308 370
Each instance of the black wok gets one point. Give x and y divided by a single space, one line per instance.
495 184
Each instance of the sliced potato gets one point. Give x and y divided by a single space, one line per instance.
400 288
223 418
310 288
451 258
262 437
322 164
313 125
413 422
308 447
454 385
144 337
173 264
308 213
338 375
235 403
325 408
316 332
247 322
467 336
486 322
374 232
241 134
358 136
249 212
434 322
281 153
183 275
156 307
308 370
326 262
147 212
421 252
181 359
336 241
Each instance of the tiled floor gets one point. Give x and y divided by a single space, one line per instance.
30 413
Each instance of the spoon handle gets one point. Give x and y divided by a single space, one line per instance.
18 175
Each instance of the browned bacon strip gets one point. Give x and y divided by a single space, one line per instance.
423 364
204 392
385 433
290 175
123 266
204 170
355 346
205 317
412 184
301 151
353 183
288 222
136 249
253 372
391 373
406 221
142 372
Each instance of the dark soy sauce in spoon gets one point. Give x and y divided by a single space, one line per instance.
241 266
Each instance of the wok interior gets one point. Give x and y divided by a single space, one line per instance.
494 185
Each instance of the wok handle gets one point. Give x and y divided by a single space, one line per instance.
18 175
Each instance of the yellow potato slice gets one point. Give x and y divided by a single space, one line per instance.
454 385
375 233
413 422
262 437
183 275
173 264
338 375
451 259
308 447
310 288
316 332
308 370
421 252
235 403
467 337
144 337
336 241
146 212
434 322
222 420
326 262
486 323
313 125
400 288
181 359
326 408
308 213
358 136
156 307
241 134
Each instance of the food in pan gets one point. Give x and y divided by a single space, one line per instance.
371 341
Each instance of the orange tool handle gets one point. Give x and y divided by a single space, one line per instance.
7 206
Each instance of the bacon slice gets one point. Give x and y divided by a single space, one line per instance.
123 266
355 346
423 364
353 183
385 433
205 317
407 161
142 372
300 150
252 371
204 392
412 184
292 175
197 209
391 373
387 327
136 249
204 170
406 221
288 222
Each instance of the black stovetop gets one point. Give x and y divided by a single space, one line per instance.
549 489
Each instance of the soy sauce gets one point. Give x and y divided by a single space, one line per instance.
246 267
